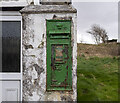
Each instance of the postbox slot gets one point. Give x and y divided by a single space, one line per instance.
60 36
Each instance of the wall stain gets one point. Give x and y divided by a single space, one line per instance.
66 98
62 18
28 47
38 69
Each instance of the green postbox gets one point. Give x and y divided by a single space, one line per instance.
59 58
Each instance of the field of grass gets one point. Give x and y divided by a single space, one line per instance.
97 79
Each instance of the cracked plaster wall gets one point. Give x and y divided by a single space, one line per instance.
34 58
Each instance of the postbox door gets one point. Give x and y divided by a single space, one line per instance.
59 65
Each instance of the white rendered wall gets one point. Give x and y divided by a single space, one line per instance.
34 59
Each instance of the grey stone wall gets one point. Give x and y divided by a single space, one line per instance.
34 58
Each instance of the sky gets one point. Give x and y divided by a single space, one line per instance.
90 12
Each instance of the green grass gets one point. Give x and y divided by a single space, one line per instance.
97 79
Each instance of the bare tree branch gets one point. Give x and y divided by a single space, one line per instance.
98 33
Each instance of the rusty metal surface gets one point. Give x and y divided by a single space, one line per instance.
59 66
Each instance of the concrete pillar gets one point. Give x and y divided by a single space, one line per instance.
34 51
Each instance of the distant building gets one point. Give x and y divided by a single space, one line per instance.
112 41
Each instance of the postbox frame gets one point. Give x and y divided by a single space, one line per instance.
66 42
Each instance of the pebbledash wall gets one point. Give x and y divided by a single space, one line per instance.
34 51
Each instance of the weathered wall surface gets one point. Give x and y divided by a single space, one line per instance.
34 58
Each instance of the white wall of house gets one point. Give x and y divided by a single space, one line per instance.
13 3
17 3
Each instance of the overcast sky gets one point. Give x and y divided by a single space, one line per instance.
103 13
